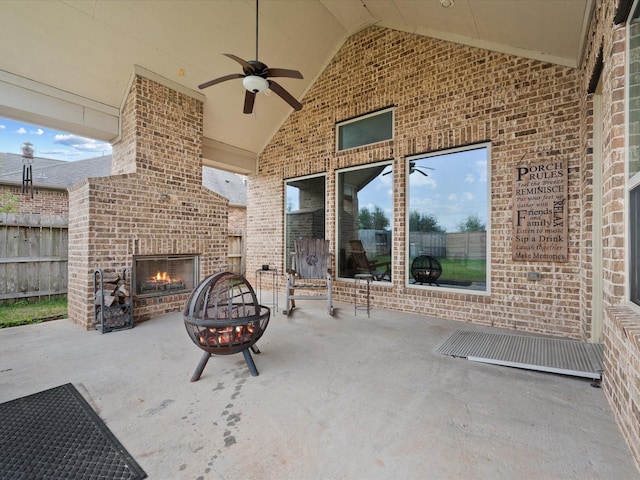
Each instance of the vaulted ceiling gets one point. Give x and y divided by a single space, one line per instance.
67 63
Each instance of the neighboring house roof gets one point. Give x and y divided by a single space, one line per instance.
58 174
229 185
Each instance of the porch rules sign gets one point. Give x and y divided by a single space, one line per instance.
540 211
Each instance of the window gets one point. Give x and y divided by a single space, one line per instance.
633 160
365 220
366 130
305 210
448 212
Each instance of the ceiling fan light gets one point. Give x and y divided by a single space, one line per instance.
255 84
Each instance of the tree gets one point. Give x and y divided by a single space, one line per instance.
473 223
376 220
8 203
424 222
365 219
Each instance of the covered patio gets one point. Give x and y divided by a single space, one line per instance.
337 397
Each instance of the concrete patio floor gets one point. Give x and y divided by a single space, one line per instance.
343 397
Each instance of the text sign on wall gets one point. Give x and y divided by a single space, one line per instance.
540 211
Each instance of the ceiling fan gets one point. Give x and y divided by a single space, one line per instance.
255 78
413 168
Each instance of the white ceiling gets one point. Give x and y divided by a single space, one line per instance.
89 47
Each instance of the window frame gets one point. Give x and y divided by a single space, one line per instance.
359 118
338 172
284 209
632 180
407 253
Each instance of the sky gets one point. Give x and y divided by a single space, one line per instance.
48 143
454 189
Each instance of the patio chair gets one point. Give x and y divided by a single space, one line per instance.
358 256
311 262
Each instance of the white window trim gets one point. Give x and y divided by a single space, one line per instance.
284 208
630 182
337 222
362 117
448 151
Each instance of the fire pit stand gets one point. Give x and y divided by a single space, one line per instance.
222 317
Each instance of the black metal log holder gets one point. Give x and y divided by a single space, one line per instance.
222 317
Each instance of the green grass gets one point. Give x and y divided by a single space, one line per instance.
455 270
463 270
24 313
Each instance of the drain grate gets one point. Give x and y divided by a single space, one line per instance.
567 357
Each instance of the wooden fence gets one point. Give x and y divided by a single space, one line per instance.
33 256
461 245
34 259
235 252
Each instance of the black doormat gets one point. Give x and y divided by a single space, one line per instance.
56 435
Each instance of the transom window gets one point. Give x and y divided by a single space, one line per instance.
448 219
365 130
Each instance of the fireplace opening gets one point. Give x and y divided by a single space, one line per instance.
157 275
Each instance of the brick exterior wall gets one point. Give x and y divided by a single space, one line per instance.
445 95
237 218
114 218
44 201
621 378
448 95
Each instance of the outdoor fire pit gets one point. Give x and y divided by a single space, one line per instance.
426 269
222 317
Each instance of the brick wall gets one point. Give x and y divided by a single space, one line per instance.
445 95
44 201
156 205
621 378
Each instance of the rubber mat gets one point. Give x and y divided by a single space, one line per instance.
55 434
567 357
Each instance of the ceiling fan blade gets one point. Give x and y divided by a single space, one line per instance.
242 62
420 171
219 80
249 99
387 173
283 72
286 96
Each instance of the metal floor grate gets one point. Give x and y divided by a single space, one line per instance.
567 357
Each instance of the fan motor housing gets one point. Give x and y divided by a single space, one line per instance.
259 69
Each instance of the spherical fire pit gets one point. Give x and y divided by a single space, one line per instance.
222 317
426 269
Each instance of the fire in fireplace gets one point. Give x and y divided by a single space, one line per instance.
157 275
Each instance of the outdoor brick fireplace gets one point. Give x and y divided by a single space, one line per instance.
153 211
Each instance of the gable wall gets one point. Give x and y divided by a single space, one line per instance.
446 95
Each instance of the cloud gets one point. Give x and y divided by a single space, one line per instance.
481 170
82 144
421 180
21 131
37 132
2 127
469 178
468 196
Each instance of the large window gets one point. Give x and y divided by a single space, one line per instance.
305 211
366 130
448 219
365 220
633 179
